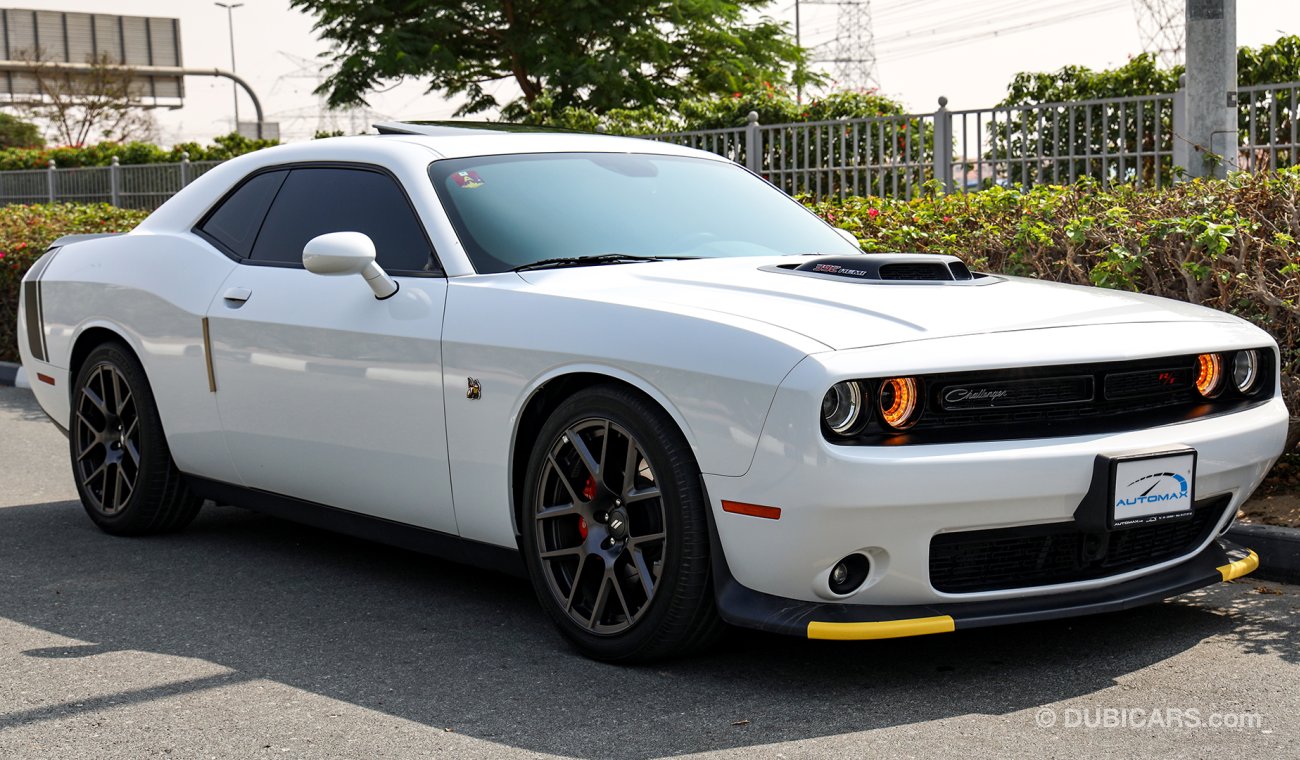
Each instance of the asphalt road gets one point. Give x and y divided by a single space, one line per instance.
247 636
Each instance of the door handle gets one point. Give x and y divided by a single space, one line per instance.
237 296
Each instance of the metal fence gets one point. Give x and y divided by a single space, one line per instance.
1131 140
140 186
1128 140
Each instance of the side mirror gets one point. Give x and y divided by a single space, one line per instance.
343 253
849 236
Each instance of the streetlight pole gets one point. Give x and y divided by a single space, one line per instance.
230 21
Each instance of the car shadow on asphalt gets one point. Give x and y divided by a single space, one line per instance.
458 648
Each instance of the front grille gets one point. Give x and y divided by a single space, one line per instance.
1045 555
1049 402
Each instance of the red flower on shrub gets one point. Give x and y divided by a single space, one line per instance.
873 213
947 219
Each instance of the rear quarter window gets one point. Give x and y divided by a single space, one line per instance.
234 223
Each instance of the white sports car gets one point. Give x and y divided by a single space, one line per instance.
651 381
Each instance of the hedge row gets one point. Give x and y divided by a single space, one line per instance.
1229 244
25 233
102 154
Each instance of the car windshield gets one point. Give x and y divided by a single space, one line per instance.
516 210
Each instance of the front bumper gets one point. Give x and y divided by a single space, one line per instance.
1220 561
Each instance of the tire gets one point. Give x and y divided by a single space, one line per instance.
589 530
121 464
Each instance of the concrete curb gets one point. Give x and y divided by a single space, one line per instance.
1278 550
9 373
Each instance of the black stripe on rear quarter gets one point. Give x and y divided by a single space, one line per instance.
32 310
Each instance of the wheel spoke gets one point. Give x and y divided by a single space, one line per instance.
604 448
119 499
622 600
633 497
103 466
602 599
559 510
629 469
564 480
111 480
577 578
89 448
571 551
133 452
94 399
584 453
647 538
116 380
643 570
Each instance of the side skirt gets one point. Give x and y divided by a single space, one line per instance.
401 535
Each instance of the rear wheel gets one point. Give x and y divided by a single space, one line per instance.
124 471
615 531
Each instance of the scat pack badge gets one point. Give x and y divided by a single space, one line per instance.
467 179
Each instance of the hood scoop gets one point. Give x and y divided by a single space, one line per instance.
881 268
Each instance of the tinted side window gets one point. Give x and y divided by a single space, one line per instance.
235 222
316 201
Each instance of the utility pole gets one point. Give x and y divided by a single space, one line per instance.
798 42
230 22
1210 145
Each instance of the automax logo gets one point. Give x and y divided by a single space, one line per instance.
1170 479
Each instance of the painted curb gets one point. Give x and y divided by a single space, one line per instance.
9 373
1278 550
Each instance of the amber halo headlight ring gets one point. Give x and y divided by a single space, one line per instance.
1246 371
1209 375
899 402
844 408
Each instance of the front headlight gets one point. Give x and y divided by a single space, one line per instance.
1245 370
842 407
900 402
1209 375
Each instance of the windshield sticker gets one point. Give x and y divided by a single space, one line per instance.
467 179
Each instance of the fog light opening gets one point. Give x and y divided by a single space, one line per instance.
849 574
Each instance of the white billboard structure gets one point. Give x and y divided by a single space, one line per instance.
80 43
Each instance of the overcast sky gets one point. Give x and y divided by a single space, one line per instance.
964 49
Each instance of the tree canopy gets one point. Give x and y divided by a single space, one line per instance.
595 55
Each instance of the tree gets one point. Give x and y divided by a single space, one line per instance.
597 56
16 133
101 102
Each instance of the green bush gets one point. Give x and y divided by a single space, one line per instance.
101 154
1228 244
25 233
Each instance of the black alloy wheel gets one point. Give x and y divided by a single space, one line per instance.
121 464
616 537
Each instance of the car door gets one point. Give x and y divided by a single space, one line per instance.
326 393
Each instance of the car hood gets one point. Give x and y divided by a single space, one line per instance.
843 314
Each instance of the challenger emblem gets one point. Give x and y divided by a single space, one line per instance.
959 395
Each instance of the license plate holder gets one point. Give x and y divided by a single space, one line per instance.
1150 488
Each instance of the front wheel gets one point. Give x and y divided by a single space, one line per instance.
124 471
615 532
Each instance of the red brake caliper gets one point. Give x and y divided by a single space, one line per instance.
588 493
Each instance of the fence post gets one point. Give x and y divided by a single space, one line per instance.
753 157
185 168
114 188
49 180
943 145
